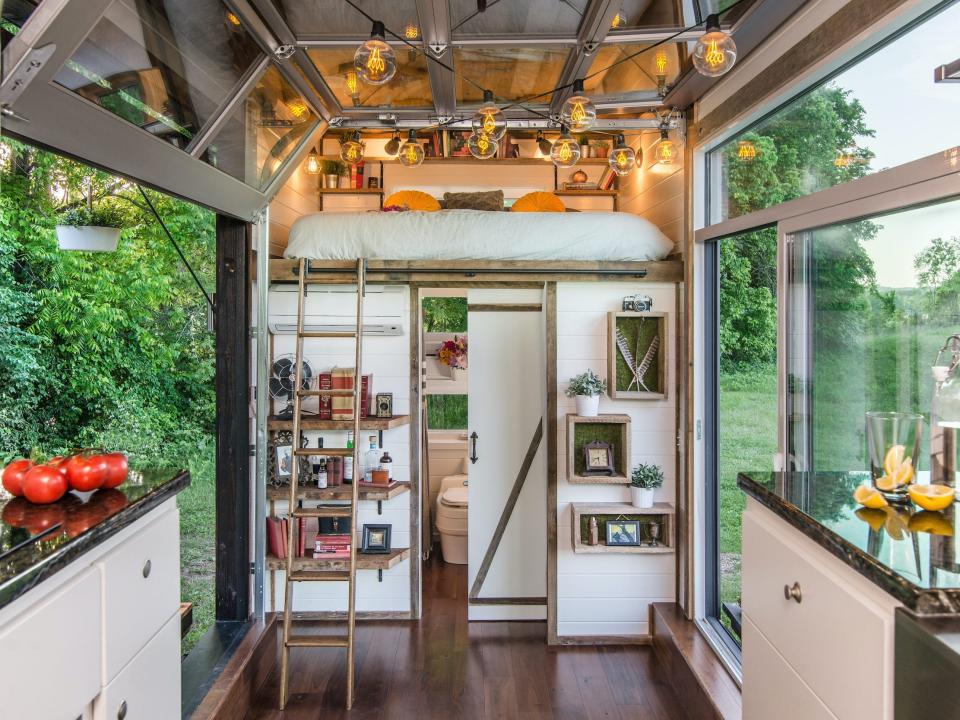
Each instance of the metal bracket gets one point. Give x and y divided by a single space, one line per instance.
285 52
379 574
22 75
379 507
589 48
438 49
336 121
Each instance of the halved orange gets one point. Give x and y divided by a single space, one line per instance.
930 522
893 459
886 484
869 497
932 497
896 523
873 517
903 474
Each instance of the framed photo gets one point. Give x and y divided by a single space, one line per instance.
597 458
373 183
623 532
636 355
384 405
376 539
284 458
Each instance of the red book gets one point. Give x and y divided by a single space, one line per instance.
275 543
325 382
302 537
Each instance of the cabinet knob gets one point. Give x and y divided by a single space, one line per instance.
147 567
792 592
122 711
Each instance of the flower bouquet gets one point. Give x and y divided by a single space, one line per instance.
453 354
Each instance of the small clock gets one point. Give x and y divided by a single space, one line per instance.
597 458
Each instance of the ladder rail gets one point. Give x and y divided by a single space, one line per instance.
355 490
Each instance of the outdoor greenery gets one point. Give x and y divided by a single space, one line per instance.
447 315
109 349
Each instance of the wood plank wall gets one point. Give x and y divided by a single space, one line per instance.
656 192
297 197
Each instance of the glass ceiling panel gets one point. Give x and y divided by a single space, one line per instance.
636 74
635 14
335 17
410 87
510 73
517 17
165 65
13 15
720 6
262 132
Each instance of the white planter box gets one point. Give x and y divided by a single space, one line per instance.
89 238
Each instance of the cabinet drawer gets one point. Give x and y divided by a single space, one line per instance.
50 656
839 637
148 688
141 589
771 688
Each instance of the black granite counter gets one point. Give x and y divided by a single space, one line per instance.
909 553
38 540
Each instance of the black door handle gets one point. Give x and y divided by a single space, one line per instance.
473 449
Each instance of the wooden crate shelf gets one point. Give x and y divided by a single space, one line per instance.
611 511
341 492
370 423
350 191
384 561
588 193
612 428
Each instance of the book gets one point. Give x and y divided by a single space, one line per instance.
325 382
342 405
301 536
275 540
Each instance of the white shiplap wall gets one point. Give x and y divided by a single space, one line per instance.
388 359
608 594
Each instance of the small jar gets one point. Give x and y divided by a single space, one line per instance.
321 475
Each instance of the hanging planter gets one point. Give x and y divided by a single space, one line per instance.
89 230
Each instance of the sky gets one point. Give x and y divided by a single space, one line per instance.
913 117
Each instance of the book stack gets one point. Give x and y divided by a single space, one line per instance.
580 186
277 536
607 179
332 546
341 406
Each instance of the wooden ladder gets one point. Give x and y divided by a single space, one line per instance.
349 576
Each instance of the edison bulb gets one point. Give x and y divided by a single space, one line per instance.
393 145
298 108
666 152
375 61
411 152
746 151
351 151
489 119
411 31
619 20
312 165
481 145
661 66
578 113
565 151
715 51
622 158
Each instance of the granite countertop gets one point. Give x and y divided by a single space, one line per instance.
910 553
38 540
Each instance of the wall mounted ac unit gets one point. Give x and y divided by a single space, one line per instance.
333 309
383 329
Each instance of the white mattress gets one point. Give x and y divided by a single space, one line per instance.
476 235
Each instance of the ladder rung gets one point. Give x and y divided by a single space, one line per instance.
325 452
328 392
316 641
319 576
329 334
329 511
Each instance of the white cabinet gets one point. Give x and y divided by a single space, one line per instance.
831 628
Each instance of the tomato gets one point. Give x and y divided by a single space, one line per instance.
111 500
86 472
117 468
41 518
15 512
59 463
43 485
13 476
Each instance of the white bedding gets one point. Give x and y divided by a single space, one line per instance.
476 235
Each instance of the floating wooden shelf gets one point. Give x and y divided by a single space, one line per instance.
471 159
341 492
364 562
588 193
370 423
613 511
617 431
350 191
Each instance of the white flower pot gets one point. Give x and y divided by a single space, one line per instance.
90 238
330 181
588 405
641 497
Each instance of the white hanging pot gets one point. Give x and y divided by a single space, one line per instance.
588 405
89 238
641 497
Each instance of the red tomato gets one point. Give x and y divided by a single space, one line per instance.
59 463
15 512
43 485
42 518
117 468
86 472
111 500
13 476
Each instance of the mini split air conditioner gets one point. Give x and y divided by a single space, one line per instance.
332 308
289 328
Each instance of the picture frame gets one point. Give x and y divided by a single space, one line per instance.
637 355
623 533
376 539
373 183
384 405
284 460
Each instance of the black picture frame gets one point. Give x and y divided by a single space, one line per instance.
376 539
623 533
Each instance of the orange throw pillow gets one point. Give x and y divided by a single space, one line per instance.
539 202
414 200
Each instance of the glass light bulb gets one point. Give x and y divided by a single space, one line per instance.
622 158
233 19
351 151
666 151
481 145
489 119
411 31
298 108
565 151
578 113
619 20
375 61
393 145
843 160
746 151
353 84
715 52
312 165
411 153
661 63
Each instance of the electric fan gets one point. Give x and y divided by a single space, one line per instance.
283 377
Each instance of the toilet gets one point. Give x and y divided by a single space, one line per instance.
452 518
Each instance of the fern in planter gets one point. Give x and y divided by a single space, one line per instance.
97 217
90 229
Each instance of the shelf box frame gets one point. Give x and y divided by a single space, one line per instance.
621 451
614 510
613 356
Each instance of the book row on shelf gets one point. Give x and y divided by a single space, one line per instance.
330 538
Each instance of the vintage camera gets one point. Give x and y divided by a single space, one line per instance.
384 405
638 303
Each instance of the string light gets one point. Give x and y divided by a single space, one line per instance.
312 165
578 113
715 52
351 151
353 86
746 151
393 144
565 151
375 61
843 160
661 66
481 145
619 20
544 144
622 159
233 19
666 151
489 119
411 152
411 31
298 108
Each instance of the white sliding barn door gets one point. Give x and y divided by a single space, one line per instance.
507 534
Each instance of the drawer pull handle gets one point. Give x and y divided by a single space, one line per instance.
122 712
792 592
147 567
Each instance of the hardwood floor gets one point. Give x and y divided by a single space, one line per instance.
444 667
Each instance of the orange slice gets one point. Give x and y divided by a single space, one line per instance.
932 497
868 497
896 523
886 484
903 474
872 517
893 459
930 522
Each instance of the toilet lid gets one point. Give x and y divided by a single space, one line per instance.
455 496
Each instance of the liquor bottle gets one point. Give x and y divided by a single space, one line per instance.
371 459
386 462
321 475
348 461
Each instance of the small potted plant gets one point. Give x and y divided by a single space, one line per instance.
331 170
587 387
453 354
602 149
90 229
643 481
584 142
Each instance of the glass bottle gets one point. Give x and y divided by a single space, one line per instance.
371 459
348 461
386 462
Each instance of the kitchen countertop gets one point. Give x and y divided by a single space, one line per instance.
909 553
38 540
